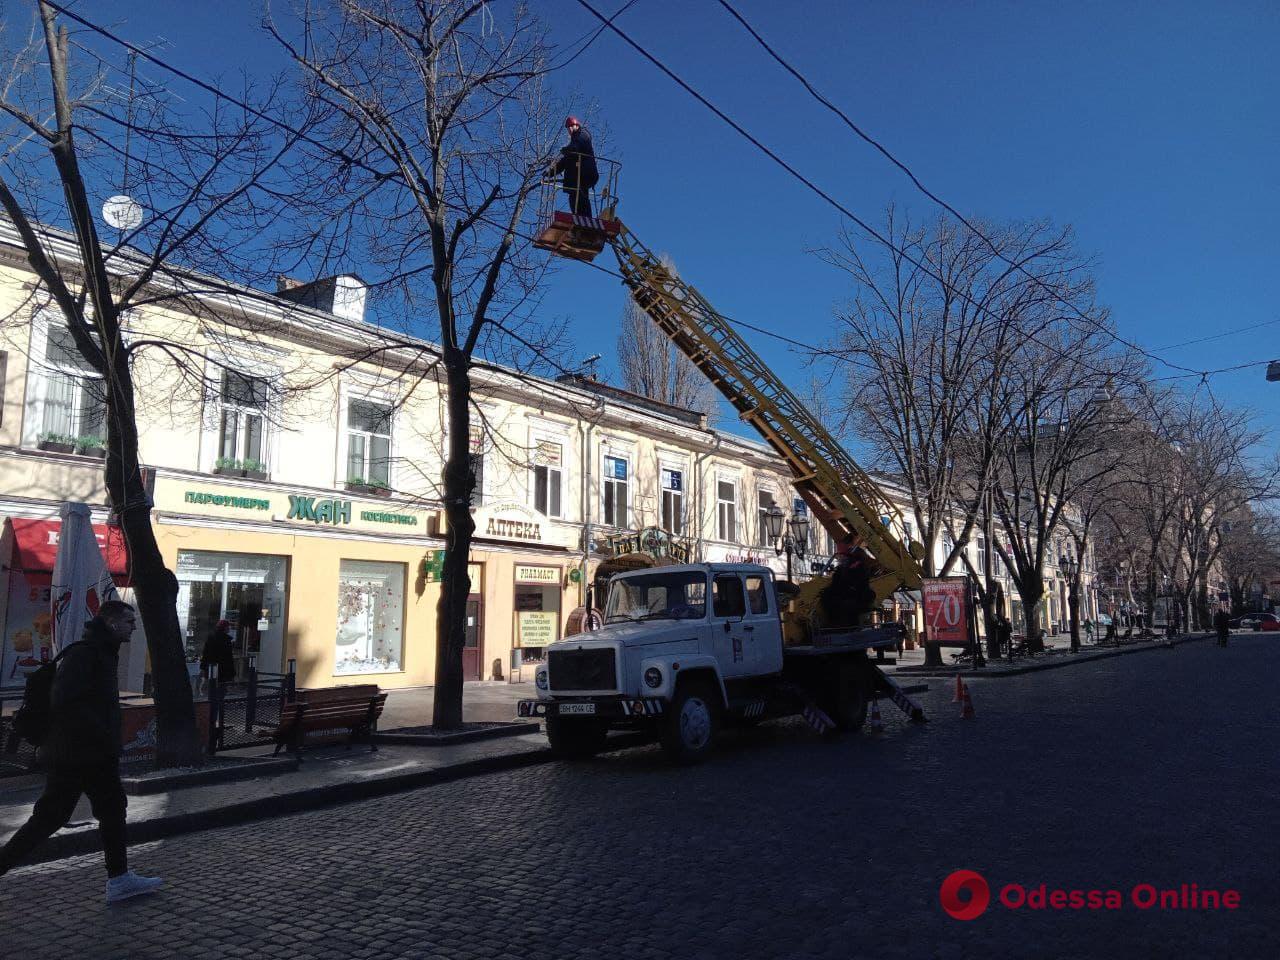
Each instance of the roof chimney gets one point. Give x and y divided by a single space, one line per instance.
343 295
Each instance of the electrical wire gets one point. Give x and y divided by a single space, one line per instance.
930 194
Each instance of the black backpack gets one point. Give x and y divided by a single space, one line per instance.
31 721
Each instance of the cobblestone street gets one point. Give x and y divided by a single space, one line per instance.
1155 768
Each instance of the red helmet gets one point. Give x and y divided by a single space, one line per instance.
571 122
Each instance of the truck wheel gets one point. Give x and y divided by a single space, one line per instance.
692 722
848 701
576 739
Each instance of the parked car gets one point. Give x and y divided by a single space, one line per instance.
1257 621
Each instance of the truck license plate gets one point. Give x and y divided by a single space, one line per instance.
572 708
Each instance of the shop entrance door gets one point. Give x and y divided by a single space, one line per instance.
473 645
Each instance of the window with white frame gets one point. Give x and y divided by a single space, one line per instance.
75 409
548 477
764 500
476 463
615 487
243 424
673 501
727 510
369 443
982 555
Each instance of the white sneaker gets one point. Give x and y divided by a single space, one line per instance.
129 884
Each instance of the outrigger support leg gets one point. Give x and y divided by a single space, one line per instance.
886 686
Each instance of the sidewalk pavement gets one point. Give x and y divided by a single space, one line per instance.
1057 654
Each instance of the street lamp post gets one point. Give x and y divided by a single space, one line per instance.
794 540
1071 566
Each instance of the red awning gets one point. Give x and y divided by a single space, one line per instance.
35 546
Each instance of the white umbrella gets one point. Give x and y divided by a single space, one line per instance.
81 581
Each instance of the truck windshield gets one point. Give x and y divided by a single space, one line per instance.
657 596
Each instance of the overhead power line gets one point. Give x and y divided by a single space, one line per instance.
933 196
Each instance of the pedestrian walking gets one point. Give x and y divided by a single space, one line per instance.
577 167
81 751
1004 635
219 652
1222 621
1088 631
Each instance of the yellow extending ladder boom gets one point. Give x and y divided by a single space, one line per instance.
838 492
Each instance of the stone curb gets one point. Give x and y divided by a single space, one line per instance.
463 736
992 674
251 768
85 841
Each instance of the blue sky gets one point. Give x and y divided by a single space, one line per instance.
1152 128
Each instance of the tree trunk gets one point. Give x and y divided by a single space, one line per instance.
1031 598
155 587
1073 611
451 612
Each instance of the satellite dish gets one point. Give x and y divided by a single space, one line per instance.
121 212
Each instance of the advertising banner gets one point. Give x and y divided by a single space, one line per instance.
946 607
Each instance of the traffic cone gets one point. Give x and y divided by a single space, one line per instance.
966 713
959 697
876 721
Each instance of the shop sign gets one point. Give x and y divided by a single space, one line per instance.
526 574
226 500
508 521
651 540
379 516
513 529
536 628
322 511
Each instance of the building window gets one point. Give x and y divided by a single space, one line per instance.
673 501
370 636
766 501
615 486
369 443
477 465
242 438
982 555
547 477
727 511
74 404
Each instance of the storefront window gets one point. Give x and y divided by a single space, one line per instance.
537 601
370 635
246 590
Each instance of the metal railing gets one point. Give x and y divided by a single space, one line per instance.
246 713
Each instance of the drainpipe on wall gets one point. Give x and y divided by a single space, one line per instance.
597 404
702 485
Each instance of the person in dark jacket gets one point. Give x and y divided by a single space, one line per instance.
1004 634
577 167
219 652
82 751
1222 620
849 595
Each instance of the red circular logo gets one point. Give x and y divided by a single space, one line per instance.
965 894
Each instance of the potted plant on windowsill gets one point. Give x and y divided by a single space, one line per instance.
253 469
367 488
91 446
227 467
56 443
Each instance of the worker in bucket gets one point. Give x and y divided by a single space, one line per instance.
577 167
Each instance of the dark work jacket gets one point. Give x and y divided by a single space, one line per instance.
578 159
84 721
217 650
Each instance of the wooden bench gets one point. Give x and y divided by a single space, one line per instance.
355 709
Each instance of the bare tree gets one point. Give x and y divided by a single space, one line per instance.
938 325
441 129
197 191
653 367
